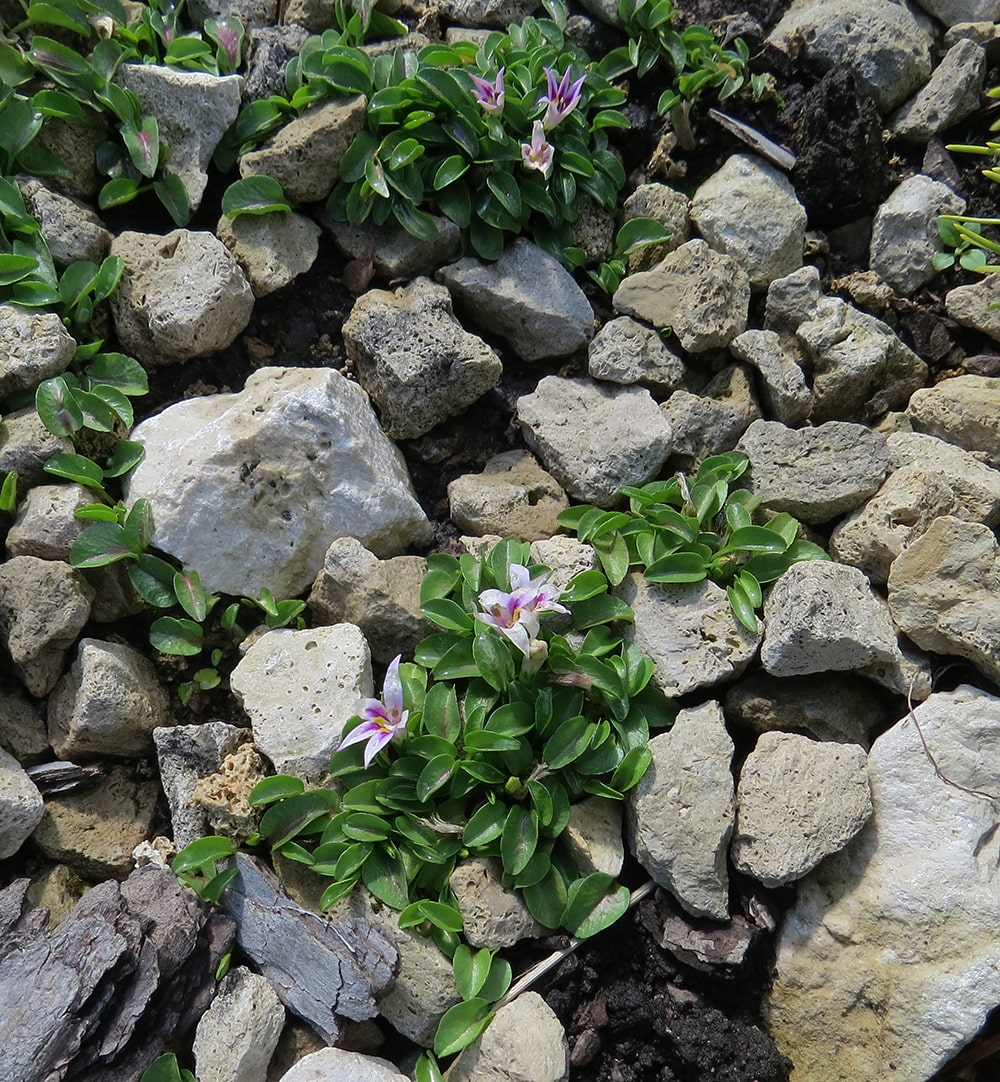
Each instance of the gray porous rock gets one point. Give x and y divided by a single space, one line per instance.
713 421
268 49
797 801
792 300
494 915
251 13
304 156
701 294
976 306
76 143
108 704
393 252
943 592
887 962
594 437
21 805
964 411
593 837
276 473
784 391
415 359
299 688
823 617
671 208
512 497
340 1065
181 295
26 445
22 731
626 351
497 13
748 209
71 228
237 1035
45 525
815 474
34 346
951 12
526 297
272 249
951 94
681 814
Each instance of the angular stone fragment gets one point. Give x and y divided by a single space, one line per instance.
494 915
272 249
680 816
670 208
525 1042
45 525
784 391
339 1065
71 229
34 346
593 837
414 358
594 438
22 731
798 801
702 295
950 95
626 351
394 253
21 805
964 411
275 473
26 445
711 422
237 1035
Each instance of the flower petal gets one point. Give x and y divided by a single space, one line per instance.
392 689
375 745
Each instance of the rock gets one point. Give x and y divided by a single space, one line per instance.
43 607
565 557
784 391
21 805
840 708
983 32
276 472
498 13
393 252
70 228
881 41
887 963
720 950
108 704
194 109
904 234
975 306
671 209
272 249
34 346
594 438
237 1035
414 358
512 497
702 295
943 592
251 13
593 837
185 753
26 445
680 816
182 295
792 300
45 525
625 351
382 597
798 800
339 1065
526 297
689 632
951 94
964 411
815 474
593 231
494 915
823 617
267 50
711 422
748 210
304 156
951 12
95 830
22 731
224 796
298 689
525 1042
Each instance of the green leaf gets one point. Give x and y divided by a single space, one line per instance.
612 907
303 813
453 167
493 658
254 195
485 825
630 770
335 891
385 877
639 233
172 194
570 740
498 980
76 468
191 595
445 917
171 635
583 896
152 579
447 614
756 539
275 788
58 408
100 544
461 1025
546 900
427 1070
434 775
677 567
600 610
480 740
117 192
519 839
742 608
165 1068
15 267
441 715
201 852
471 970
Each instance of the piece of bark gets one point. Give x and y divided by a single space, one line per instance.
320 968
130 967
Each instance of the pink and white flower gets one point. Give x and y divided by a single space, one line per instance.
561 97
490 95
515 613
381 720
538 154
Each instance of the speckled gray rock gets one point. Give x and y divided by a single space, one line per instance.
594 437
626 351
34 346
784 391
181 295
904 234
252 13
702 295
822 617
299 688
26 445
415 359
798 800
976 305
748 209
494 915
237 1035
276 472
815 474
108 704
689 632
394 252
339 1065
193 109
21 805
272 249
498 13
943 592
70 228
45 526
22 731
525 1042
880 40
964 411
527 297
304 156
711 422
593 837
671 209
381 596
951 12
44 605
951 94
512 497
792 300
681 814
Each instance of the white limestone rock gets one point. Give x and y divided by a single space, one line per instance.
237 1035
339 1065
21 806
964 411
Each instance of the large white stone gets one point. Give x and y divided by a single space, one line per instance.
889 961
250 489
20 805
